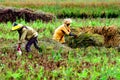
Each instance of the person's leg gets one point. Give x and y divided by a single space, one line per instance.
29 43
62 40
36 45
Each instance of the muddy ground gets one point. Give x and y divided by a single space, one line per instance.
46 59
13 14
12 60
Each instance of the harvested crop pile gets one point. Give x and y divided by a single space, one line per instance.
95 36
111 35
85 40
11 14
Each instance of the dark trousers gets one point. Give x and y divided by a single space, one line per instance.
30 42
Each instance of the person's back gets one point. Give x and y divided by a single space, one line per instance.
62 30
26 33
30 33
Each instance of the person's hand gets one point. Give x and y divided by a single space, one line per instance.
19 47
75 36
23 41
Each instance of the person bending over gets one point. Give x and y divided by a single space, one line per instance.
62 30
26 34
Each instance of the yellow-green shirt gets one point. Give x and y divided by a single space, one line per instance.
27 33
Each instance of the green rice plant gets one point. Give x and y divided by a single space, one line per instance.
83 74
94 74
72 59
107 72
41 73
57 55
67 73
15 75
30 56
55 74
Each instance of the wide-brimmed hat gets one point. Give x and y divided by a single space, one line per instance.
67 21
16 26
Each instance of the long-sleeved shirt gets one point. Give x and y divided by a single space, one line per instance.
26 33
60 32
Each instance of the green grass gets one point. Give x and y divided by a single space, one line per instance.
96 64
83 63
91 63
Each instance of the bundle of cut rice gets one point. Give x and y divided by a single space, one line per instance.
85 40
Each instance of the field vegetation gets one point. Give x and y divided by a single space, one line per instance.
75 9
58 61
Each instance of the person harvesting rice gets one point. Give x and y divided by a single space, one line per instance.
26 34
63 30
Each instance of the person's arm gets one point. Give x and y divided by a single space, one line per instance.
65 30
68 32
23 36
18 47
71 34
